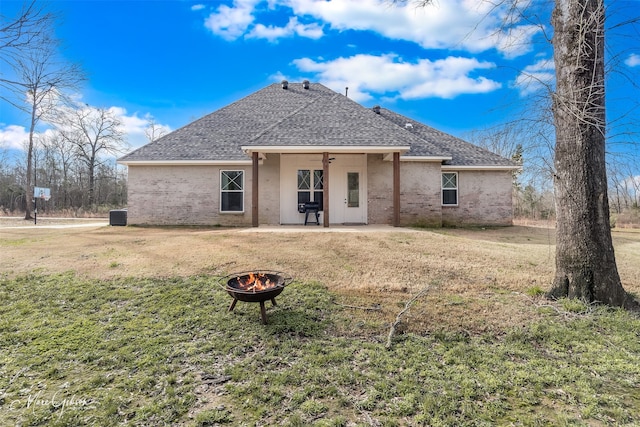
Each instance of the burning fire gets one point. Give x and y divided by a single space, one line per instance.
255 282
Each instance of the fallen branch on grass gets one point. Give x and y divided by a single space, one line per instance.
375 307
395 324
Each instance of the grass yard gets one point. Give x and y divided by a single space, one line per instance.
129 326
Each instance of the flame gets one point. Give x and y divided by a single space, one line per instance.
255 282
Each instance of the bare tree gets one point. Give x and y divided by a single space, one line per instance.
585 261
40 80
23 33
154 130
505 140
43 81
64 154
93 132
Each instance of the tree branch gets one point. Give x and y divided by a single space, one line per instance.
395 324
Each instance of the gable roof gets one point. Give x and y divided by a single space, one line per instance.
296 119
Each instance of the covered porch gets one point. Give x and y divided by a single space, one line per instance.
335 177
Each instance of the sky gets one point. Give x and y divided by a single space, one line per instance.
452 65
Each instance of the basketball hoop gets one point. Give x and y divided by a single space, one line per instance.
41 193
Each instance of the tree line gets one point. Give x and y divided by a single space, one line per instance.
68 178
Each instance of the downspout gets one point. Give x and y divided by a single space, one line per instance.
254 189
396 189
325 188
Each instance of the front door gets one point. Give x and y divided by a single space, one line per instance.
348 196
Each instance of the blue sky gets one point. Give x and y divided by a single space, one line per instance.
452 65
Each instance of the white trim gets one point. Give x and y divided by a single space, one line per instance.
185 162
316 150
420 158
457 190
231 191
479 168
337 149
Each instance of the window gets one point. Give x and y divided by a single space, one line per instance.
353 189
231 191
310 186
450 188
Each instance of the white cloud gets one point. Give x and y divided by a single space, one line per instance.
467 25
197 7
232 22
293 27
133 125
443 78
633 60
535 77
13 137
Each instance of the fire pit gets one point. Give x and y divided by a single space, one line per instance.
255 286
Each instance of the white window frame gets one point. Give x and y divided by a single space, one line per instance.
315 185
222 191
443 188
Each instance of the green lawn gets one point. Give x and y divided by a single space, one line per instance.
155 352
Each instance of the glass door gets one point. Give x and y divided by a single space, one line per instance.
353 209
347 196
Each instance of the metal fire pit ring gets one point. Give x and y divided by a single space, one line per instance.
231 284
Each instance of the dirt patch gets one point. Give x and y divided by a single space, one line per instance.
479 279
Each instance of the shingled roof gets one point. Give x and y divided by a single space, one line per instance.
461 152
304 118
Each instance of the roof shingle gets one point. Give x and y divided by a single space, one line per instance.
317 116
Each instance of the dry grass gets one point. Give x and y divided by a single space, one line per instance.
138 330
481 280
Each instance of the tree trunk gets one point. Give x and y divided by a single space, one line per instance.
585 260
29 189
92 182
28 197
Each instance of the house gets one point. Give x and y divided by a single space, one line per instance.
254 161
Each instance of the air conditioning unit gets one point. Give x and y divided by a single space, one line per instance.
118 217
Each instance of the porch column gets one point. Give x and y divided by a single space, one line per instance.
254 189
396 189
325 189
